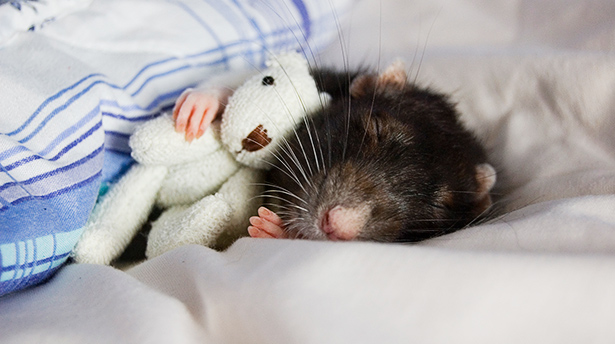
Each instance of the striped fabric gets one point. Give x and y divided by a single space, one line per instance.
72 90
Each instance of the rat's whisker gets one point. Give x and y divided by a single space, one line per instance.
285 146
283 192
418 70
286 170
322 105
288 112
285 200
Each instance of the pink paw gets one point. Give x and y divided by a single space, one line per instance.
266 225
194 111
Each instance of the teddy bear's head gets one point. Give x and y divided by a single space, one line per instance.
267 107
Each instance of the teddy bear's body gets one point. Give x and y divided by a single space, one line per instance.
209 187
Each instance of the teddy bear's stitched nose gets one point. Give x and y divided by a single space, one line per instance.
256 140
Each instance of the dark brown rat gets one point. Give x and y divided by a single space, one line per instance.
385 160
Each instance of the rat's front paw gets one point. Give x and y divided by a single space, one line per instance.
266 225
194 110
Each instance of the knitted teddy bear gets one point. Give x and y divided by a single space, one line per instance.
208 186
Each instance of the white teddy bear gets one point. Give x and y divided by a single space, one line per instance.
209 186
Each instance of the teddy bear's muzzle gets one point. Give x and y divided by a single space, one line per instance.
256 140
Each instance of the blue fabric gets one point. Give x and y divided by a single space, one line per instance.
69 102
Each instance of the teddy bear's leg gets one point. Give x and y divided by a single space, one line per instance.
243 192
199 223
188 183
215 221
120 214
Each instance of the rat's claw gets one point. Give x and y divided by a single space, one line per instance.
183 113
198 114
194 111
256 232
209 116
262 227
270 216
180 101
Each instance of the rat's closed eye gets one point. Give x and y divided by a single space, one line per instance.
374 125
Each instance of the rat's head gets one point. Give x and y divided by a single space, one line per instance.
390 162
267 107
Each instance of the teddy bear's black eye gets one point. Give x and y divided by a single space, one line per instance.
268 81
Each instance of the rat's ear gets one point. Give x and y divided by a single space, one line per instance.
392 80
393 77
485 177
362 85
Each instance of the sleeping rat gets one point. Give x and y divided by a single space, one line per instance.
385 160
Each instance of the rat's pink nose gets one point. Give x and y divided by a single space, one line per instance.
341 223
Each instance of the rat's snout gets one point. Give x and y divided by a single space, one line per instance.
256 140
341 223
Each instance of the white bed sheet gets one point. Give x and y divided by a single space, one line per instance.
535 80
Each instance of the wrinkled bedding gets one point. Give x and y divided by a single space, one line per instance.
535 81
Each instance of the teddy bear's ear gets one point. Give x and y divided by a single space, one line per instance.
392 80
325 98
